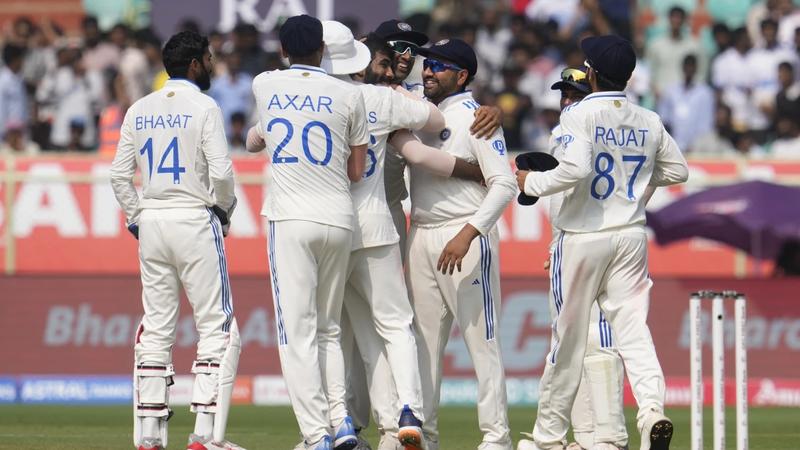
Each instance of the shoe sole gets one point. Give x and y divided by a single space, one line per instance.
661 435
347 444
411 438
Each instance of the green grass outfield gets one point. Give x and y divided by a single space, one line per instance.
274 428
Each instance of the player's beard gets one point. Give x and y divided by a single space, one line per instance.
370 77
203 80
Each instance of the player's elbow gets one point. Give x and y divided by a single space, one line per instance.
504 185
356 163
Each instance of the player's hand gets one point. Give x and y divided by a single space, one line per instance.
134 230
521 175
456 249
546 264
487 121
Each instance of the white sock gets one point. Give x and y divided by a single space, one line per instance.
204 424
150 427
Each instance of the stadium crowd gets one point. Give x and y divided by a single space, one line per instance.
722 74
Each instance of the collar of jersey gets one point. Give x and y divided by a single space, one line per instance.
606 94
309 68
452 98
183 82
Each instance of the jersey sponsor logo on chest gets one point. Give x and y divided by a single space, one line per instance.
319 103
621 137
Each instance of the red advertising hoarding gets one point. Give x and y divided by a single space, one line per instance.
66 221
85 325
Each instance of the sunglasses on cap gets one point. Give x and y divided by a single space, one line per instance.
573 75
401 47
437 66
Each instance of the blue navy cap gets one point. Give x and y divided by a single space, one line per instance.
395 30
301 35
611 56
536 162
455 51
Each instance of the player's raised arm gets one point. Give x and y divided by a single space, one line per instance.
670 167
433 160
577 162
493 162
122 170
220 169
413 109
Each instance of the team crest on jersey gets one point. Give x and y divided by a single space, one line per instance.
404 26
499 146
445 134
566 139
442 42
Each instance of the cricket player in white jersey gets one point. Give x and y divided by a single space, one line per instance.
613 151
598 407
376 300
176 136
453 225
405 42
315 129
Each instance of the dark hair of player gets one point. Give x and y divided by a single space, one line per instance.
180 50
376 44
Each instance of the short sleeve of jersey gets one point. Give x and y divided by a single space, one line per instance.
408 113
359 133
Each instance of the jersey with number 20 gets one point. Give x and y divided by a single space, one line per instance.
309 120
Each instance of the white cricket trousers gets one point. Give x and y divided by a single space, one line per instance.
182 246
376 284
608 267
307 262
471 298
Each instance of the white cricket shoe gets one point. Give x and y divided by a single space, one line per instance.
574 446
150 443
656 431
528 444
205 443
604 446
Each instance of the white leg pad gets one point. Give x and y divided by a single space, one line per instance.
605 374
151 382
213 383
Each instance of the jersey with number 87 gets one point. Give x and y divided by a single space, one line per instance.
612 151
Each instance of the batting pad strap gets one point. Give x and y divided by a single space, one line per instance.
204 408
205 367
154 370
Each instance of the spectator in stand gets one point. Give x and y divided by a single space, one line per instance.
238 133
665 54
13 97
787 145
217 42
788 22
719 141
733 77
721 35
14 141
40 57
112 115
71 92
98 54
233 91
492 40
787 101
141 64
516 107
246 43
687 108
763 63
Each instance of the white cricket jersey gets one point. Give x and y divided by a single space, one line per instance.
176 137
439 201
387 111
395 168
309 121
612 151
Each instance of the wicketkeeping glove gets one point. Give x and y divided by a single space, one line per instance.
224 216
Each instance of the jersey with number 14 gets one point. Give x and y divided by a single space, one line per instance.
612 150
308 121
176 137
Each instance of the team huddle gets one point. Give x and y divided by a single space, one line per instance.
364 305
